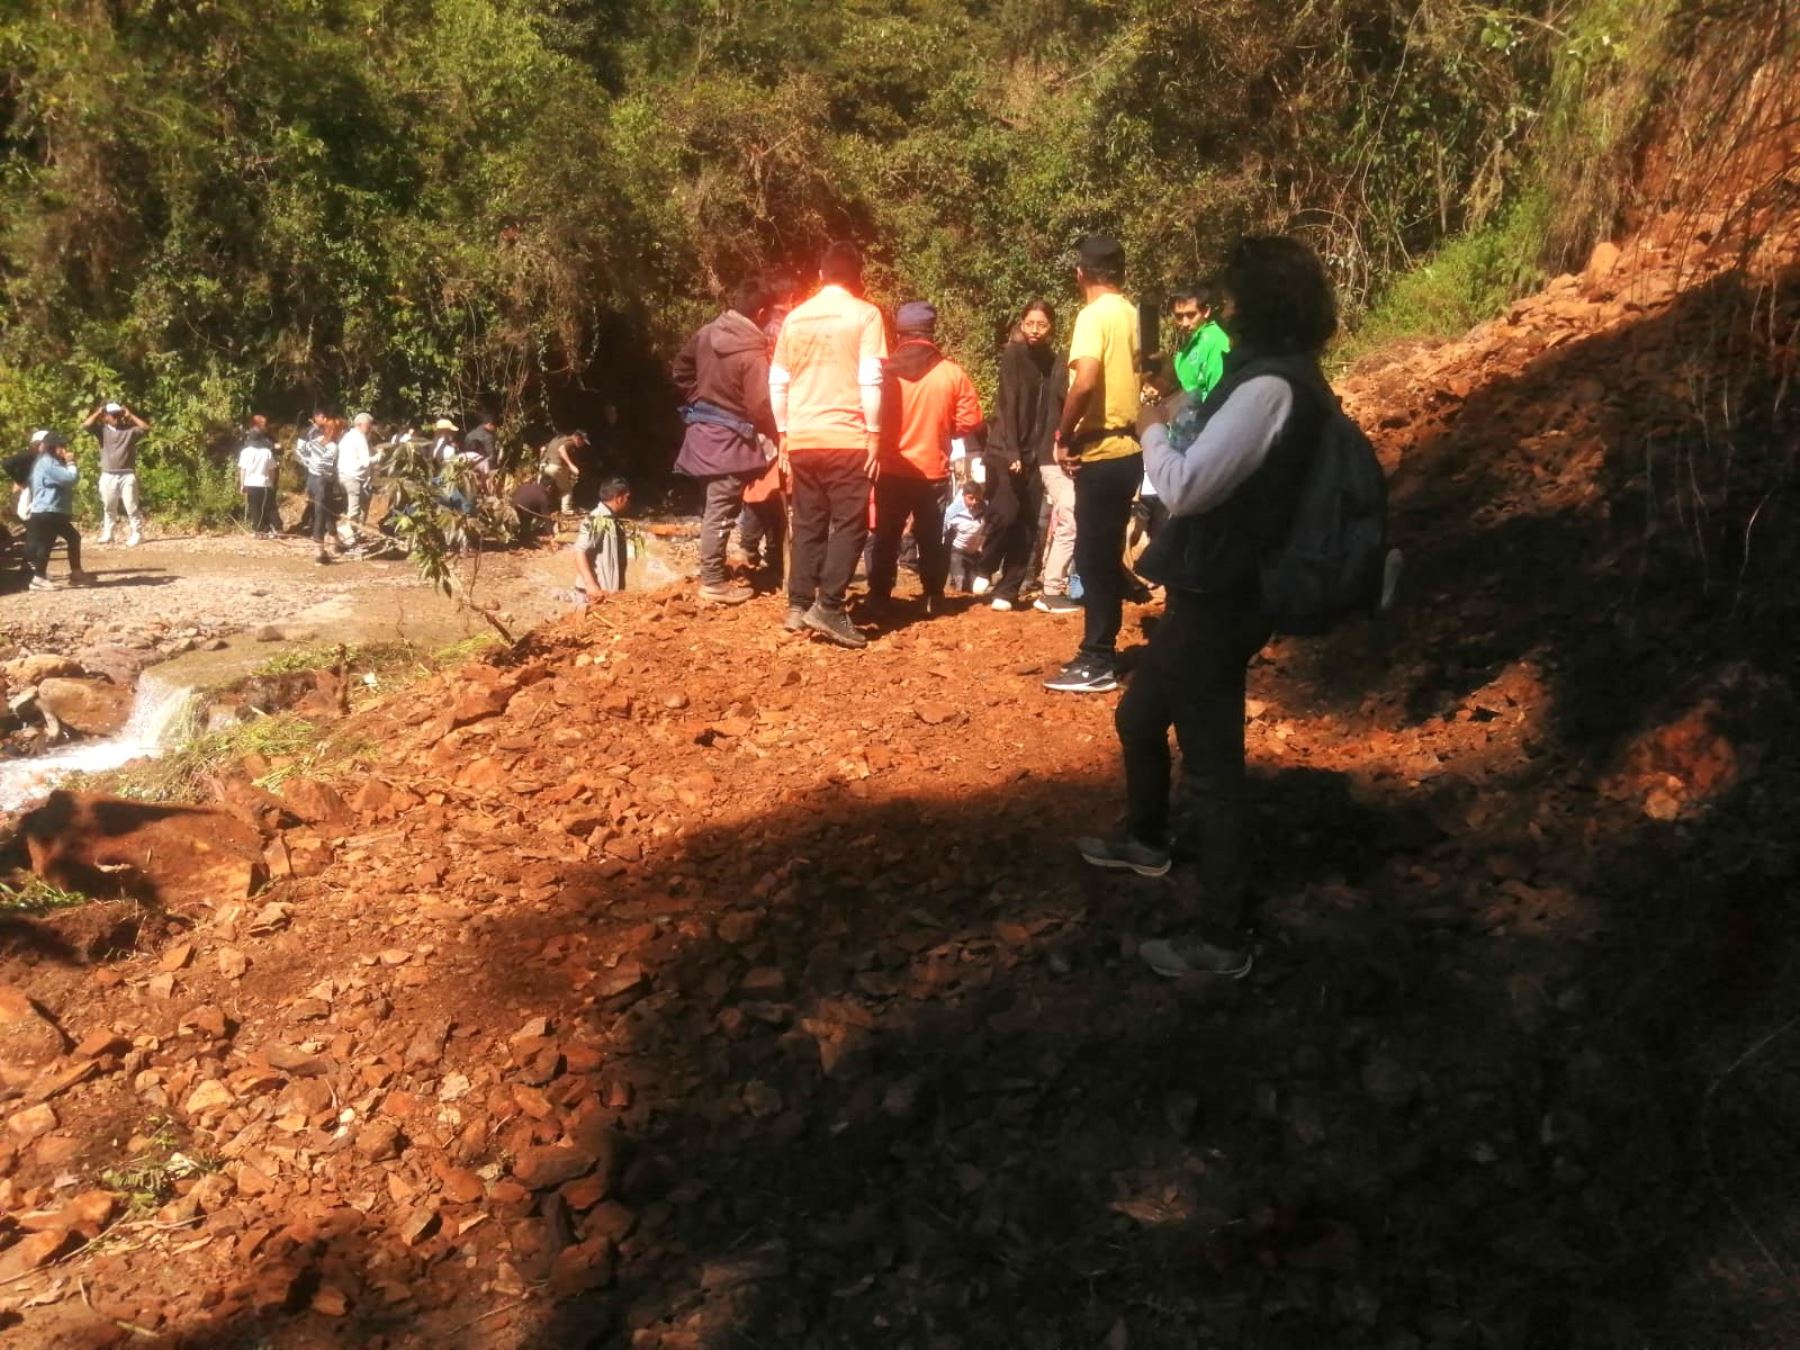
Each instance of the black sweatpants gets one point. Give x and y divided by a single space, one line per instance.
1015 499
322 492
1192 678
42 531
1104 490
762 533
259 509
899 498
831 524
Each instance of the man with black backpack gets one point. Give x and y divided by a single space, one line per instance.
1275 525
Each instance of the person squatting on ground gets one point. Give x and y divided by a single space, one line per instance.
965 533
317 452
723 375
825 389
1231 493
557 466
601 550
52 487
1034 379
355 470
119 430
256 480
929 411
1097 443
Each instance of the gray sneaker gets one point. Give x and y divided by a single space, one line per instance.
1180 956
726 593
796 619
1056 604
1124 855
834 624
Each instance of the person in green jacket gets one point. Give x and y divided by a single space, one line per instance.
1200 359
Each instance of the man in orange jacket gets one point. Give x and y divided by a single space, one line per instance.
929 407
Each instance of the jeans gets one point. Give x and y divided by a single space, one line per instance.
119 497
259 510
898 498
964 568
831 525
1059 554
356 509
1014 499
41 533
1192 678
321 491
724 500
762 533
1103 494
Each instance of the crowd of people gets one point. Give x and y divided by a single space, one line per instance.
862 446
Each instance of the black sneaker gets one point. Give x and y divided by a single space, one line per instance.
796 619
1175 957
835 625
1084 676
1124 855
1056 604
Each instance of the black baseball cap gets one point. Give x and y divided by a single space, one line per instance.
1100 253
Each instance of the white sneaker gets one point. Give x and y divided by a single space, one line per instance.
106 535
1001 604
43 584
134 540
982 586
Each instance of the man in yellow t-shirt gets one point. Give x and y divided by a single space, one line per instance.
1096 441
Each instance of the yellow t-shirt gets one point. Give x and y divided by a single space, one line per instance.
1106 331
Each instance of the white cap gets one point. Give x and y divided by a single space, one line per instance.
115 407
362 419
39 434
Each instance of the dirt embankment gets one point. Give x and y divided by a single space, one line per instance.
674 982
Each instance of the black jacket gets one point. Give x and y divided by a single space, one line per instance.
1219 550
1033 383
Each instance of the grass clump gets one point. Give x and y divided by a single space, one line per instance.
36 896
360 657
148 1180
182 776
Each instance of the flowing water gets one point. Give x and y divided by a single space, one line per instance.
156 719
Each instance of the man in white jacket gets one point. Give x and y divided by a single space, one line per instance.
355 468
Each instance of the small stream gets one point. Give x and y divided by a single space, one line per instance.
171 698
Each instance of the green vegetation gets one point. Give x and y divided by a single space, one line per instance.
148 1180
183 775
34 895
419 205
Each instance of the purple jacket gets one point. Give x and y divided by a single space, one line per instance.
726 365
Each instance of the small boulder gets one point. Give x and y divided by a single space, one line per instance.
92 707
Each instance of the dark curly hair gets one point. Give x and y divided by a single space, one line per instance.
1284 298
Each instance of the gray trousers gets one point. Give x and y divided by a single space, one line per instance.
724 500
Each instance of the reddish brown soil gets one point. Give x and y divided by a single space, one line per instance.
674 982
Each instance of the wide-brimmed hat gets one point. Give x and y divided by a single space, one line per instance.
444 424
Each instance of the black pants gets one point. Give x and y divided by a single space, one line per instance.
762 531
724 501
899 498
322 491
1104 491
42 531
1015 499
831 524
259 509
1192 678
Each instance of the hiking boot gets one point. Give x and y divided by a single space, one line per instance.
1084 675
1057 604
795 622
1002 604
43 584
726 593
835 625
1180 956
1124 855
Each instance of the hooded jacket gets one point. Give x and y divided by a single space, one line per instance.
926 399
723 375
1034 381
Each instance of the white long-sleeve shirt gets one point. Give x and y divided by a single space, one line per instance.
1230 447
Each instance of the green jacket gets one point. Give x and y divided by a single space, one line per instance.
1200 361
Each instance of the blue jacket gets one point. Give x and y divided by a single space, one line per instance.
53 486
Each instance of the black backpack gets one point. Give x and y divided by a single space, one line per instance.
18 467
1331 564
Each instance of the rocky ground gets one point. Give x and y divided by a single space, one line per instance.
673 982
